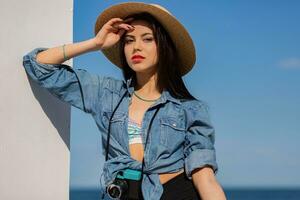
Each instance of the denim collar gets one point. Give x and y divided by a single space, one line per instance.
165 96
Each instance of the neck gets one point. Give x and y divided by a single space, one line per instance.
146 85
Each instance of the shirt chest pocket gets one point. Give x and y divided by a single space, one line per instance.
172 132
117 123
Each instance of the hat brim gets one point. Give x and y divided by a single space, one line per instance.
179 35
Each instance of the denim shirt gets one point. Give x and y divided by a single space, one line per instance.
181 135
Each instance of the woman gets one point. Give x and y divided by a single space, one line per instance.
157 138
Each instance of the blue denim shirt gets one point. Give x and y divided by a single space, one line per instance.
181 136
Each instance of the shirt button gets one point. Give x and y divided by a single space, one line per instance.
174 124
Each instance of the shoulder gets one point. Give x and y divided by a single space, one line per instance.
112 84
194 104
196 111
104 82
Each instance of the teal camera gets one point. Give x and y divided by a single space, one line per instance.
130 174
127 185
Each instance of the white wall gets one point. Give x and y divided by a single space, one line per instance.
34 126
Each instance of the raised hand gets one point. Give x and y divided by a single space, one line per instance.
111 32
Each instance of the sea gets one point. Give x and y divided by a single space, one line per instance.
231 194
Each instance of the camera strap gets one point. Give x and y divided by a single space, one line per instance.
109 125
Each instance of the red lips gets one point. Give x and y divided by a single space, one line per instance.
137 57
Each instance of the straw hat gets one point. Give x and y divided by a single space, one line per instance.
181 38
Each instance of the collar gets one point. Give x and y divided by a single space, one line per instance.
165 96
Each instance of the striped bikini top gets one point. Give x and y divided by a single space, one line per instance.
134 132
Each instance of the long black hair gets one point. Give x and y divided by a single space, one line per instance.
168 65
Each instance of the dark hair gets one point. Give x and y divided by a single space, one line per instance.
169 76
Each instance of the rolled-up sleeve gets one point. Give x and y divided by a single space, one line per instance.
199 150
74 86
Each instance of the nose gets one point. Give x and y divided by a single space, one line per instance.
137 45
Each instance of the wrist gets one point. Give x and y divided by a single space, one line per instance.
97 45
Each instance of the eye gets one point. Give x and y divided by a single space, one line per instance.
127 41
148 39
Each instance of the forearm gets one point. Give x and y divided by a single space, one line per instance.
211 191
207 185
55 55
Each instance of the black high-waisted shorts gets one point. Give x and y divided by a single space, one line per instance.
180 188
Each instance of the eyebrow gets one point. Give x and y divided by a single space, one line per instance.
141 35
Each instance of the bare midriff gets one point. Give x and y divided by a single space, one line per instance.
137 153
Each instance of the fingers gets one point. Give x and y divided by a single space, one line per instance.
114 20
113 29
125 26
121 32
117 24
119 20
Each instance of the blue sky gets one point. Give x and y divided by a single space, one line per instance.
247 69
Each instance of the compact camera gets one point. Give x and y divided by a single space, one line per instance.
126 185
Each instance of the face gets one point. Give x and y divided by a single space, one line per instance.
140 48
